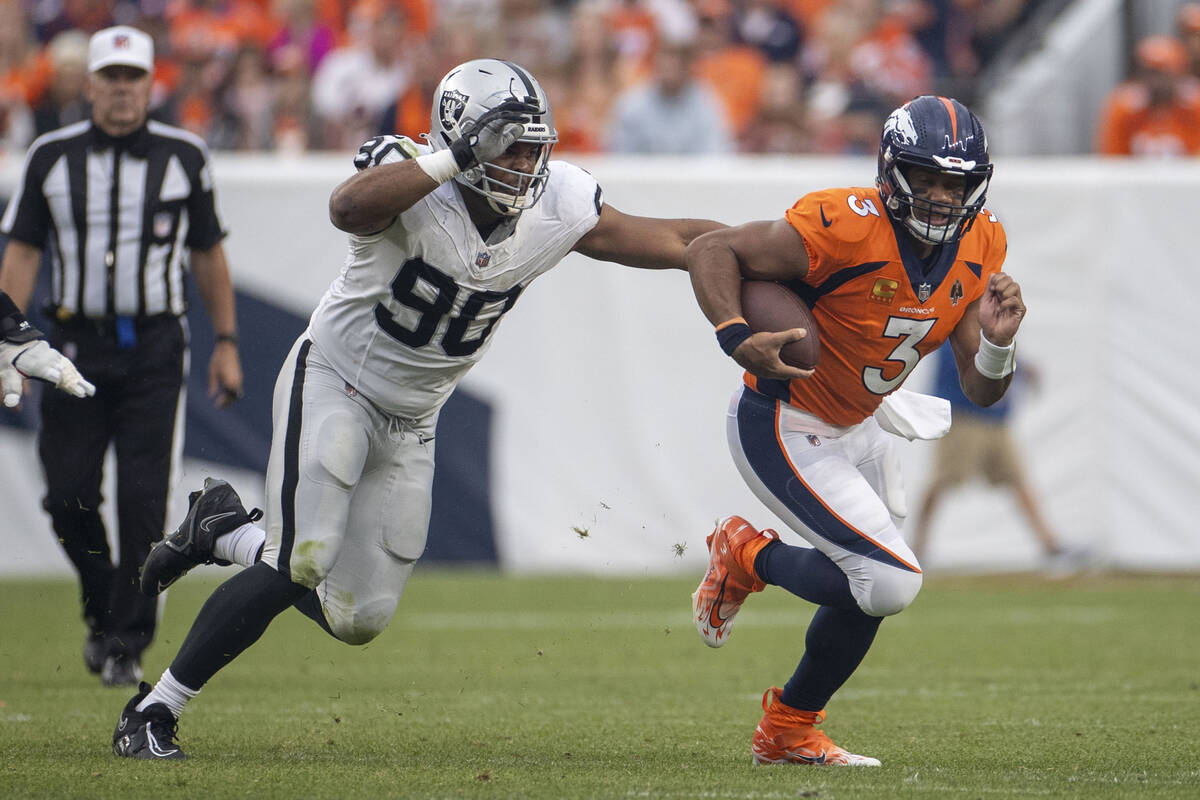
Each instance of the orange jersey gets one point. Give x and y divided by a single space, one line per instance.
878 311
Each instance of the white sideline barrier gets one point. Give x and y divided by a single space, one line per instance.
609 390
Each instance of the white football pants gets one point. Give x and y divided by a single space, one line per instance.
348 494
838 487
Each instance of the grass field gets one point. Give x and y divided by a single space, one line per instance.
494 687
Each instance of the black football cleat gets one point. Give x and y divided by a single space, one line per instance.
212 512
148 734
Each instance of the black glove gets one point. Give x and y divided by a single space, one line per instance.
492 134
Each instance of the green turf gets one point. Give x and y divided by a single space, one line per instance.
492 687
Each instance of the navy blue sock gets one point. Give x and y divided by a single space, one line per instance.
232 619
837 641
310 606
805 572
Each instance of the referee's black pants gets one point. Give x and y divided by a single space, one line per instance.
137 408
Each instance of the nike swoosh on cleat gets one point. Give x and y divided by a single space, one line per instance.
806 759
714 615
207 521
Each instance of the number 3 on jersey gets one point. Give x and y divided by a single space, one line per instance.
480 308
910 332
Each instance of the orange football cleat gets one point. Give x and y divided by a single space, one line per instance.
787 735
730 579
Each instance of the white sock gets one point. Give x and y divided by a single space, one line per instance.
170 692
240 545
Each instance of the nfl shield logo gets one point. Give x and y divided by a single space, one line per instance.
813 440
923 292
482 259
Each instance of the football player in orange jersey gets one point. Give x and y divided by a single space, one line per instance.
890 272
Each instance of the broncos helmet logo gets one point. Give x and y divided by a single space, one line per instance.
900 126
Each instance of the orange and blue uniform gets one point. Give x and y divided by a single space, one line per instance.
879 308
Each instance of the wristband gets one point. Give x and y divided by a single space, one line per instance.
440 166
13 326
992 361
732 333
227 337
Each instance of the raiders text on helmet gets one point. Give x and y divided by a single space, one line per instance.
940 134
471 90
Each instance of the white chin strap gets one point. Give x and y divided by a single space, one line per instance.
931 234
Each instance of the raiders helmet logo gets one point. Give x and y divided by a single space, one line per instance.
451 107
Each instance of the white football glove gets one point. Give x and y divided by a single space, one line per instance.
38 360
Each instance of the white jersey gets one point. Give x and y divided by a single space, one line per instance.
416 304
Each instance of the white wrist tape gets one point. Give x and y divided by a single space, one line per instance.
440 166
995 362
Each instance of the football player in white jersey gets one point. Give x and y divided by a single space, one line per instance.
444 236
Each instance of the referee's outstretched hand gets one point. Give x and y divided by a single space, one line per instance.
39 360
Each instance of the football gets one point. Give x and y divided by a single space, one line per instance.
771 306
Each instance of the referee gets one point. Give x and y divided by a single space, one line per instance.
123 204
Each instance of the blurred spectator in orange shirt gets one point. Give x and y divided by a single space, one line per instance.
1157 112
24 69
735 71
889 62
634 32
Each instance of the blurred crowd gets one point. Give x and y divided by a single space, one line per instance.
1156 113
644 76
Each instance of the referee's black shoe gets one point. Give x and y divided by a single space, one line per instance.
214 511
146 734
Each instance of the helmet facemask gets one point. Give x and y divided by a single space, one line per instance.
916 212
510 191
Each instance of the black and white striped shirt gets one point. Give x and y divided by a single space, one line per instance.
118 215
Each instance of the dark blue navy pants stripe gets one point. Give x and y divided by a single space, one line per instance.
764 452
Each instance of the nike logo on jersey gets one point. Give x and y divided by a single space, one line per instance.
824 221
207 523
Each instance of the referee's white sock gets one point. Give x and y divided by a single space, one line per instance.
170 692
241 545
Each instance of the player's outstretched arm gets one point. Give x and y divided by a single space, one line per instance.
717 263
645 242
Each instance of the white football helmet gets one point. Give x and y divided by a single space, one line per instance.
469 91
